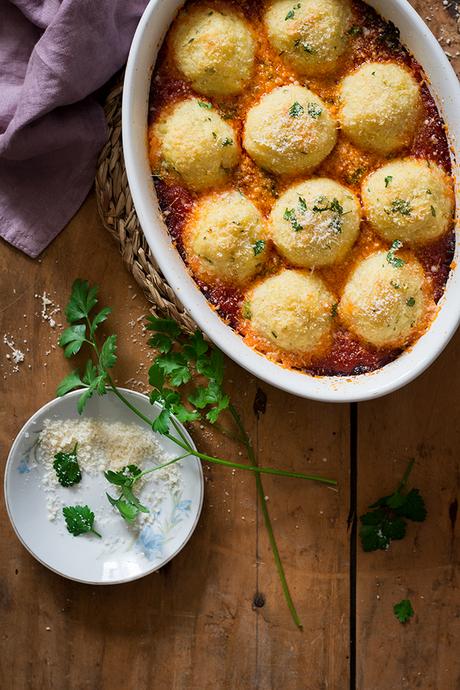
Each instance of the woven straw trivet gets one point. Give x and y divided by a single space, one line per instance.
119 217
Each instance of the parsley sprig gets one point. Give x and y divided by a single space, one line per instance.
182 357
403 610
387 518
79 520
67 467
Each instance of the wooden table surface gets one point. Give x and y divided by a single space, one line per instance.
195 625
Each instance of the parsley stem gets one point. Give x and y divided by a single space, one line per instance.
268 524
160 467
403 481
251 468
96 533
219 461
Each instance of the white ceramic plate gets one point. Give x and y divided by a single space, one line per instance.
125 552
444 86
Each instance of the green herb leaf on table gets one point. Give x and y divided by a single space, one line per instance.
108 356
100 318
69 383
403 610
67 468
72 339
79 520
387 518
82 300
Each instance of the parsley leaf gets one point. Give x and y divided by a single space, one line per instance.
433 211
108 355
127 504
205 104
391 258
69 383
403 610
72 339
290 215
67 467
195 346
386 519
227 141
124 477
355 30
296 109
258 247
79 520
99 318
212 366
388 180
410 302
167 326
174 366
82 300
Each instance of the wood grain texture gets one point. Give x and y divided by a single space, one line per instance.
192 626
214 618
418 422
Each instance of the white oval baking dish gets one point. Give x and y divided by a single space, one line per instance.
446 90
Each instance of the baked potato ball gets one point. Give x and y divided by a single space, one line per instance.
214 49
410 200
289 131
196 144
311 35
225 239
379 107
315 223
292 310
385 301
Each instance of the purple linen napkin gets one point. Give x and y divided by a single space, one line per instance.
53 55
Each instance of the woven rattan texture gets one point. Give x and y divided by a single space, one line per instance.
119 217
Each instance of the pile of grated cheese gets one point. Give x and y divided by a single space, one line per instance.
101 445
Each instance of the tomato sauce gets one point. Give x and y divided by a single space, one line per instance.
373 40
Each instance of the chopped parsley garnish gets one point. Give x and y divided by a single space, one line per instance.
258 247
291 13
387 518
388 180
391 258
274 334
401 206
302 204
247 313
314 110
67 467
289 214
296 110
433 211
308 48
410 302
227 142
79 520
355 30
355 176
390 36
205 104
334 309
403 610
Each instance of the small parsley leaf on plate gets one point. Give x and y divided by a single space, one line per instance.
67 468
403 610
79 520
